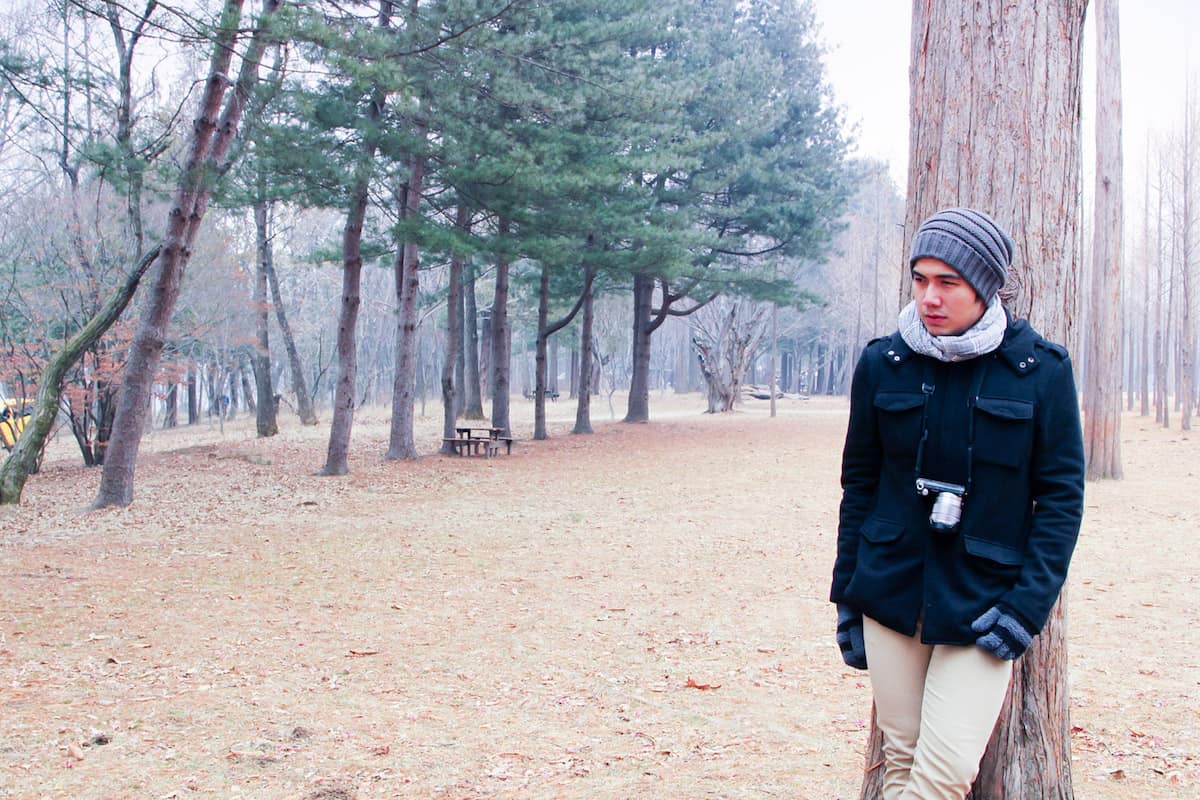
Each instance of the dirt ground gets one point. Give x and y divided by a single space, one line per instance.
637 613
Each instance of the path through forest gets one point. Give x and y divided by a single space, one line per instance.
638 613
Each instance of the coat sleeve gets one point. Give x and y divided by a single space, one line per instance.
1056 478
861 462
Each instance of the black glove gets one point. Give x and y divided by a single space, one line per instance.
850 637
1001 634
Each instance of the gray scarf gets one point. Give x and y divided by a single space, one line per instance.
982 337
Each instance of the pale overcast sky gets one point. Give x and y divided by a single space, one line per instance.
867 44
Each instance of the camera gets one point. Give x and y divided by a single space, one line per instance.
947 503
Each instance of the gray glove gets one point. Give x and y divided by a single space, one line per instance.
1001 634
850 637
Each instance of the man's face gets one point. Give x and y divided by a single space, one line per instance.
946 303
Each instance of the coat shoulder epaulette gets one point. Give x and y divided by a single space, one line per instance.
1053 347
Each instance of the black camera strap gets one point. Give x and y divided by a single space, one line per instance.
928 386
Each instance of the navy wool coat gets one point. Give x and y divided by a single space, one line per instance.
1006 426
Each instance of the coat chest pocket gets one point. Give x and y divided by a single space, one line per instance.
899 416
1003 431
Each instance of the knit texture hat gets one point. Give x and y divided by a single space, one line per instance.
969 241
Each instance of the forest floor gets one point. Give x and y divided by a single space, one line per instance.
637 613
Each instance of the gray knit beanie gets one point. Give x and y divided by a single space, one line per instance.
969 241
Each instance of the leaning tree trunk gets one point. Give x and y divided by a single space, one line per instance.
212 137
978 149
401 444
264 417
304 403
501 340
23 460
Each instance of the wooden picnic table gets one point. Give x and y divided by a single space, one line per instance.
479 440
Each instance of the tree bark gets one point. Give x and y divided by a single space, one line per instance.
472 394
1010 147
1102 388
336 457
25 455
583 400
501 342
212 137
264 413
401 444
451 368
638 409
304 401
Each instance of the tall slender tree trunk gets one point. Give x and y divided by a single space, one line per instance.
472 396
401 444
212 136
1102 390
1144 374
452 368
966 148
539 358
264 416
337 453
583 402
193 399
304 401
638 409
501 340
1187 233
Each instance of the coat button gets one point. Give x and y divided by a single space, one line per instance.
1030 359
1022 365
895 358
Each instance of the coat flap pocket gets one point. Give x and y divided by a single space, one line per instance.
881 530
1000 553
898 401
1004 408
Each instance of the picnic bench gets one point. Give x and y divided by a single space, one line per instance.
550 393
470 440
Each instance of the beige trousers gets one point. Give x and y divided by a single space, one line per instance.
936 706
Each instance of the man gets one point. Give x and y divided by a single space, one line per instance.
962 479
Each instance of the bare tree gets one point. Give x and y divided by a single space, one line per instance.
1102 382
973 148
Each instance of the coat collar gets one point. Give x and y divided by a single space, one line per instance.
1017 349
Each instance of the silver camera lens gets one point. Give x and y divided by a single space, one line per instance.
947 511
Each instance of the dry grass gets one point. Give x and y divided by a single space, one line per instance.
638 613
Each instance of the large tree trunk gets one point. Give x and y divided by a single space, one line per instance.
583 404
265 420
26 454
1102 383
401 444
638 409
336 456
501 341
977 149
211 140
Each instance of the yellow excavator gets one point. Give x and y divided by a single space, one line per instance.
13 416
